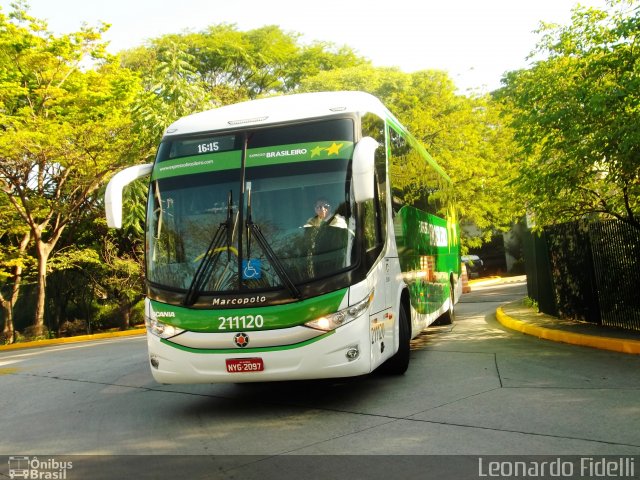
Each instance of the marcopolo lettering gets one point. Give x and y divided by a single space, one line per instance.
239 301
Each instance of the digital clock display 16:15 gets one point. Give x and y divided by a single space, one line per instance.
208 147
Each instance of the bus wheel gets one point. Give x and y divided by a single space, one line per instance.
399 363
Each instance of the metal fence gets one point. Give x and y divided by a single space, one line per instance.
616 250
587 271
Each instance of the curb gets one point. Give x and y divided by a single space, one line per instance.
603 343
66 340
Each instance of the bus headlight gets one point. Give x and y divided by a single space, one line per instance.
341 317
160 329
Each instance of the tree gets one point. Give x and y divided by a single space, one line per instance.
123 277
65 127
236 65
171 89
14 241
73 291
122 255
576 113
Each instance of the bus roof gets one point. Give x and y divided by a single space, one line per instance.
279 109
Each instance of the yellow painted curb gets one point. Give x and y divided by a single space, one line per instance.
65 340
481 280
604 343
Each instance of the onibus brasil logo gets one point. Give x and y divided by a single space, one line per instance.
34 468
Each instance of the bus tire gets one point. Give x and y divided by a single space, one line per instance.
399 363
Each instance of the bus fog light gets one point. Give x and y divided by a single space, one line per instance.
353 353
155 362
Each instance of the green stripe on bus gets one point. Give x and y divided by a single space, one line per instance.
272 316
227 351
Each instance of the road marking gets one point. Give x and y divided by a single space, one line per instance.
8 370
9 362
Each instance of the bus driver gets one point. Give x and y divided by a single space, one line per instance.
322 216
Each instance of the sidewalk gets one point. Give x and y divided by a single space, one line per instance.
517 316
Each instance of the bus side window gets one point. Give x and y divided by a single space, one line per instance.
413 182
374 127
375 215
398 152
370 231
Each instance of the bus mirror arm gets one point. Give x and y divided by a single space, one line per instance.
113 194
363 169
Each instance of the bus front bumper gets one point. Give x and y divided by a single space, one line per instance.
345 352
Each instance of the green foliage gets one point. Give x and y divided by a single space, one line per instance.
233 65
65 128
12 256
122 277
72 257
134 210
109 316
172 90
576 113
531 303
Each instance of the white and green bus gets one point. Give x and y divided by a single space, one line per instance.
295 237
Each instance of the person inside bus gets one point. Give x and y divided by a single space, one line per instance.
326 236
323 216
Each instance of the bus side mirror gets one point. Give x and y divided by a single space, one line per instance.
113 194
363 169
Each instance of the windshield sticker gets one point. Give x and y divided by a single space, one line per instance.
299 152
256 157
197 164
251 269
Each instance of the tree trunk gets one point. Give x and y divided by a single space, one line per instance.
125 310
8 331
7 314
43 251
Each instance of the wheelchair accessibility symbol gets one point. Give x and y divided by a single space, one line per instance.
251 269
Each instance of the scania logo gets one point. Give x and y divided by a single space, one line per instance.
241 340
165 314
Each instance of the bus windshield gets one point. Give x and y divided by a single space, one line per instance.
295 224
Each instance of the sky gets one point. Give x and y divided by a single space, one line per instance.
475 41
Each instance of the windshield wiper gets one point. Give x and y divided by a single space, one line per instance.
253 228
211 256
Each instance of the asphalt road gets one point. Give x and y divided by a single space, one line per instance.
473 389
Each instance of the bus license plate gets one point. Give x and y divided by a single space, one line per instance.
241 365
